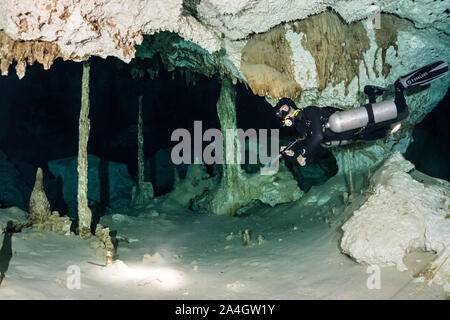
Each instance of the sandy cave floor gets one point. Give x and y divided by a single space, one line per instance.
299 258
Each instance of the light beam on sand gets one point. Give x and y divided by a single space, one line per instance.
155 276
162 277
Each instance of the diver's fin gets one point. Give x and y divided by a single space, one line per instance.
425 75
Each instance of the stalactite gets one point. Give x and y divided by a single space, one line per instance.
26 53
84 213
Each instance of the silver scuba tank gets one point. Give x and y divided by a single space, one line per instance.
359 117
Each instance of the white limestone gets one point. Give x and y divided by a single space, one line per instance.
401 215
304 64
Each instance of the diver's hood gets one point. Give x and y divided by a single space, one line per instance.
282 113
282 102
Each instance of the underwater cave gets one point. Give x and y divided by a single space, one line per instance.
429 150
204 151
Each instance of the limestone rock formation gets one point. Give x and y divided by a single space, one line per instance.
81 28
26 52
111 28
236 189
106 243
56 223
39 205
40 215
196 184
401 214
83 210
142 195
268 189
439 270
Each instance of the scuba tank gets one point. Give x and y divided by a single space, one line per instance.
385 111
362 116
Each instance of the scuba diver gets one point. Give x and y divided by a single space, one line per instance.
330 126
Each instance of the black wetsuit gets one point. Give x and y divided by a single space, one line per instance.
310 124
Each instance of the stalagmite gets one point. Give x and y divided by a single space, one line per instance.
144 191
84 213
246 238
39 205
106 243
41 216
140 154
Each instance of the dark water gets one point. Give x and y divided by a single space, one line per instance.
430 151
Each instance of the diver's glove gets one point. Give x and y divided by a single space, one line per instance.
289 152
301 160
